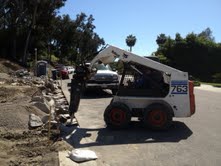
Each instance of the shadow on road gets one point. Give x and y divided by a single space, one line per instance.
133 135
95 94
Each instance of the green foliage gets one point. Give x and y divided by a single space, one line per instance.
196 83
217 77
197 54
23 24
161 39
163 59
75 40
26 25
207 35
118 66
131 41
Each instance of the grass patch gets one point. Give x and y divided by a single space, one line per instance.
218 85
196 83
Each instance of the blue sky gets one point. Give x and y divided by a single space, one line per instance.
116 19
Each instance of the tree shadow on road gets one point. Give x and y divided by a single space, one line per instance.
95 94
136 134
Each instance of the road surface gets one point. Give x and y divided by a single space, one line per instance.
190 141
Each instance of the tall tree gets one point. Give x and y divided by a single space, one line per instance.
20 20
197 54
89 41
207 35
131 41
161 39
178 38
76 39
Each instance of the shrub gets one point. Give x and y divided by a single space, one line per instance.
196 83
217 78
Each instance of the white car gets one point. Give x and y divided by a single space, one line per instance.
70 69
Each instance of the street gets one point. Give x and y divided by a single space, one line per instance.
190 141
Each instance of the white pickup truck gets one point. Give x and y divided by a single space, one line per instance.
105 78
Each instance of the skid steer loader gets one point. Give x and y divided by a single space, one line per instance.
151 91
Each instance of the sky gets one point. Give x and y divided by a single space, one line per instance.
146 19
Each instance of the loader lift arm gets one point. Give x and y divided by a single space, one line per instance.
111 53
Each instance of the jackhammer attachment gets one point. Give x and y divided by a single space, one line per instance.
77 86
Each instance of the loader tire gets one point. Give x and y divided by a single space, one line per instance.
157 116
117 116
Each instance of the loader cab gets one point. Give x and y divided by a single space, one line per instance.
141 81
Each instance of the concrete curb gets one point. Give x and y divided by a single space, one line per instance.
63 159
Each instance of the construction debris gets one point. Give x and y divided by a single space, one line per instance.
81 155
51 98
23 126
35 121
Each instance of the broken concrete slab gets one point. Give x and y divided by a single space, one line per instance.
58 96
61 102
45 118
35 121
50 85
42 106
37 99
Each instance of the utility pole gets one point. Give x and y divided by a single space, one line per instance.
36 58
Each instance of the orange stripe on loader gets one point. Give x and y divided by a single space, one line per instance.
192 98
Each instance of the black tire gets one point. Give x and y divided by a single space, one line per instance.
114 91
117 116
157 116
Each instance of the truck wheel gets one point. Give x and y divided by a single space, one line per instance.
157 117
117 115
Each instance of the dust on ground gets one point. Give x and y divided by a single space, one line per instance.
7 66
20 146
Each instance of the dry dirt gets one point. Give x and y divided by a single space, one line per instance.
20 146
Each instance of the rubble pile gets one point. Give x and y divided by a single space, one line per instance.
23 123
48 99
53 103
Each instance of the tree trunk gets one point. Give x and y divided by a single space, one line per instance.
14 47
13 37
25 56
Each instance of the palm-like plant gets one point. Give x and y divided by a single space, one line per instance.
131 41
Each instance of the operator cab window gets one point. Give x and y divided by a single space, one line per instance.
138 80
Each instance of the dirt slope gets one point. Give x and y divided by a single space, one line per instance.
20 146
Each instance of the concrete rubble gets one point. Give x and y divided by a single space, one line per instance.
51 100
35 121
53 103
54 108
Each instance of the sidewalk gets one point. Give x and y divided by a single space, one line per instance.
64 160
208 88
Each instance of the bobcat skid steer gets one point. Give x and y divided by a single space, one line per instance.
151 91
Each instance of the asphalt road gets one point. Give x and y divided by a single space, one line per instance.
190 141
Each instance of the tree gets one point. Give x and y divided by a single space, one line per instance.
197 54
161 39
89 41
178 38
26 25
76 40
207 35
21 21
131 41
